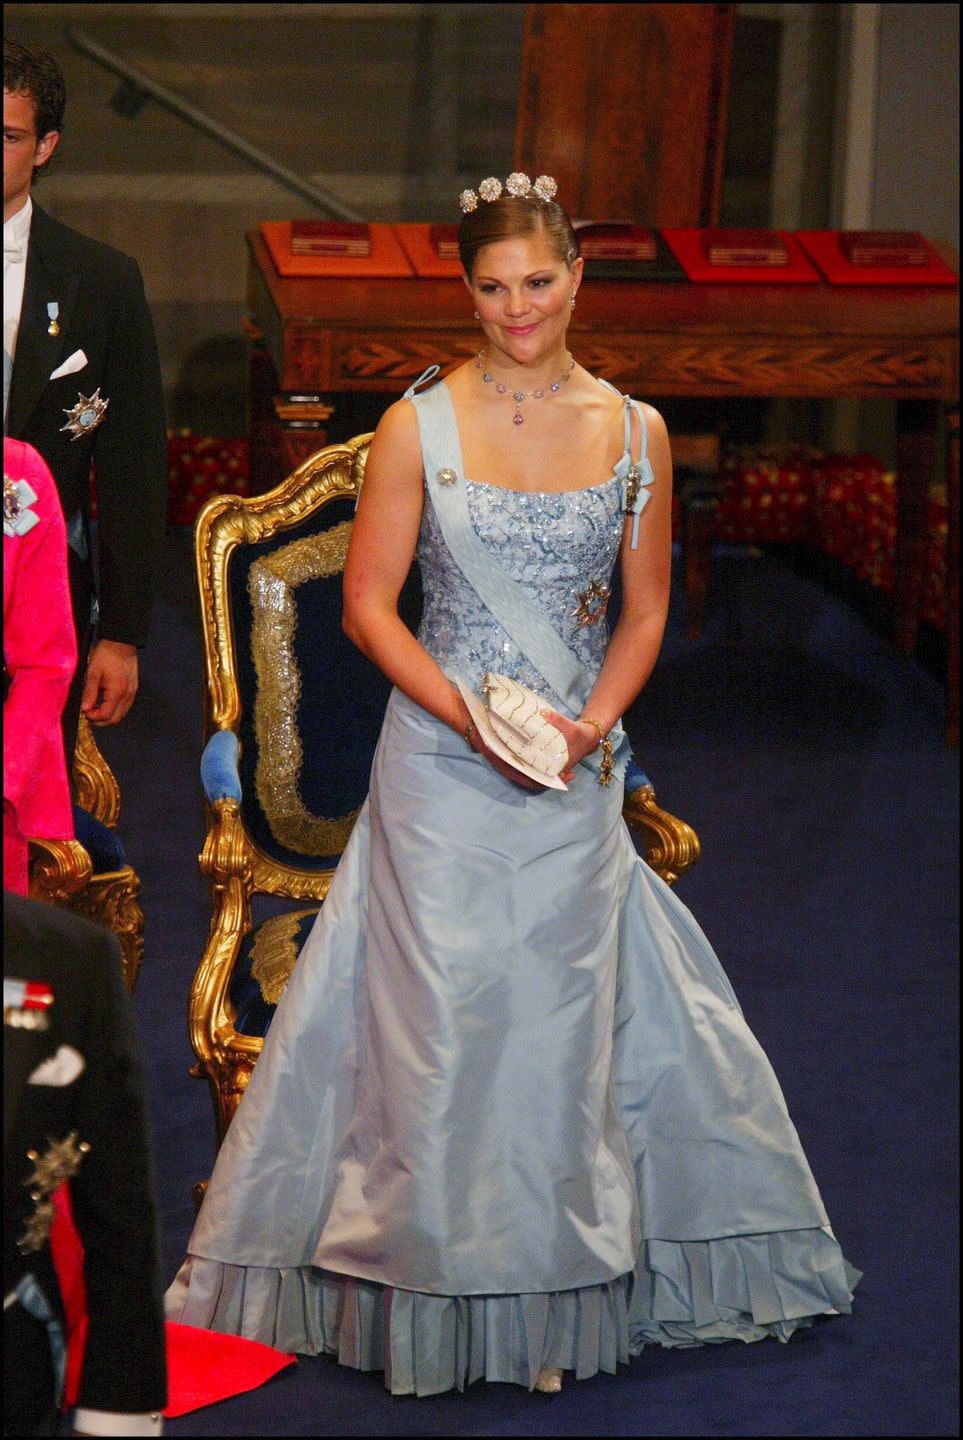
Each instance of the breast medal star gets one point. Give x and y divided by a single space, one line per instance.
86 415
60 1161
596 595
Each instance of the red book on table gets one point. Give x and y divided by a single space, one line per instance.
615 240
444 240
330 237
884 247
745 247
825 249
432 250
688 246
386 258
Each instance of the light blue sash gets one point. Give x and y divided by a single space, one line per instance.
513 608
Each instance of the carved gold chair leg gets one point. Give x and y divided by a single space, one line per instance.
111 900
227 1077
225 1059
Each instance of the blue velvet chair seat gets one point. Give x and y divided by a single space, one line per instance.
102 845
635 777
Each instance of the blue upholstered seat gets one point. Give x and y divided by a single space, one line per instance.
104 846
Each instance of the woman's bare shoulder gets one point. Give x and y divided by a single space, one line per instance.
656 433
396 443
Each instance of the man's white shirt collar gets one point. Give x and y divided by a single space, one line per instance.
17 228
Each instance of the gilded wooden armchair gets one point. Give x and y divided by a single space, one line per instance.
90 874
280 805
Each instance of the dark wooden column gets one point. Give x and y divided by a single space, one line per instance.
918 423
626 106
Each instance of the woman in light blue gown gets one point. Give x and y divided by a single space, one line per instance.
509 1120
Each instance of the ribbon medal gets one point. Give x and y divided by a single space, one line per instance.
53 310
26 1003
85 416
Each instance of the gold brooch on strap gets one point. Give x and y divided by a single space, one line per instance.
633 482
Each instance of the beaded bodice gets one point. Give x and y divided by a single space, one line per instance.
555 545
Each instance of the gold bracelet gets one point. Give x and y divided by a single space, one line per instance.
587 720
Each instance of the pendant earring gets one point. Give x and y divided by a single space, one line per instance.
573 302
477 316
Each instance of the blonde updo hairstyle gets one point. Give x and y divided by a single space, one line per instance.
513 217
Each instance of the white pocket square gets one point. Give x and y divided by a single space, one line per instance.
61 1069
71 365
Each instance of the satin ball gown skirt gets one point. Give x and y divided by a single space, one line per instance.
509 1113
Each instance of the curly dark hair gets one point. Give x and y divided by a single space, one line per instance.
35 72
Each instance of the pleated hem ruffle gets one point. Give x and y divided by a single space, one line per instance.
684 1293
740 1287
425 1344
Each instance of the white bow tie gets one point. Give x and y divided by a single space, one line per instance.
14 250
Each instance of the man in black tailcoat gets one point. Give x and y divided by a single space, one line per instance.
82 384
73 1105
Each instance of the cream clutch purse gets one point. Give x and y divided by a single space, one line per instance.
512 725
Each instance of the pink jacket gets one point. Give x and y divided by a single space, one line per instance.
39 647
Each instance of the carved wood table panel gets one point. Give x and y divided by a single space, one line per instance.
324 338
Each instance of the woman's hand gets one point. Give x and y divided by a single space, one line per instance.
580 737
502 766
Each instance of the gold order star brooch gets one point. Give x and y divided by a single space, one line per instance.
607 764
86 415
60 1161
596 595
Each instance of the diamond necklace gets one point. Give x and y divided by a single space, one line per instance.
519 395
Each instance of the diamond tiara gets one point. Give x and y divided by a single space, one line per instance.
517 184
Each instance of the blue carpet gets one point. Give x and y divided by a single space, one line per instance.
809 759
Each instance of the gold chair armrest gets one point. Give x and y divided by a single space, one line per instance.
227 853
671 846
59 870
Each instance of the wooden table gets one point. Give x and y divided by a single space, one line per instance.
326 338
